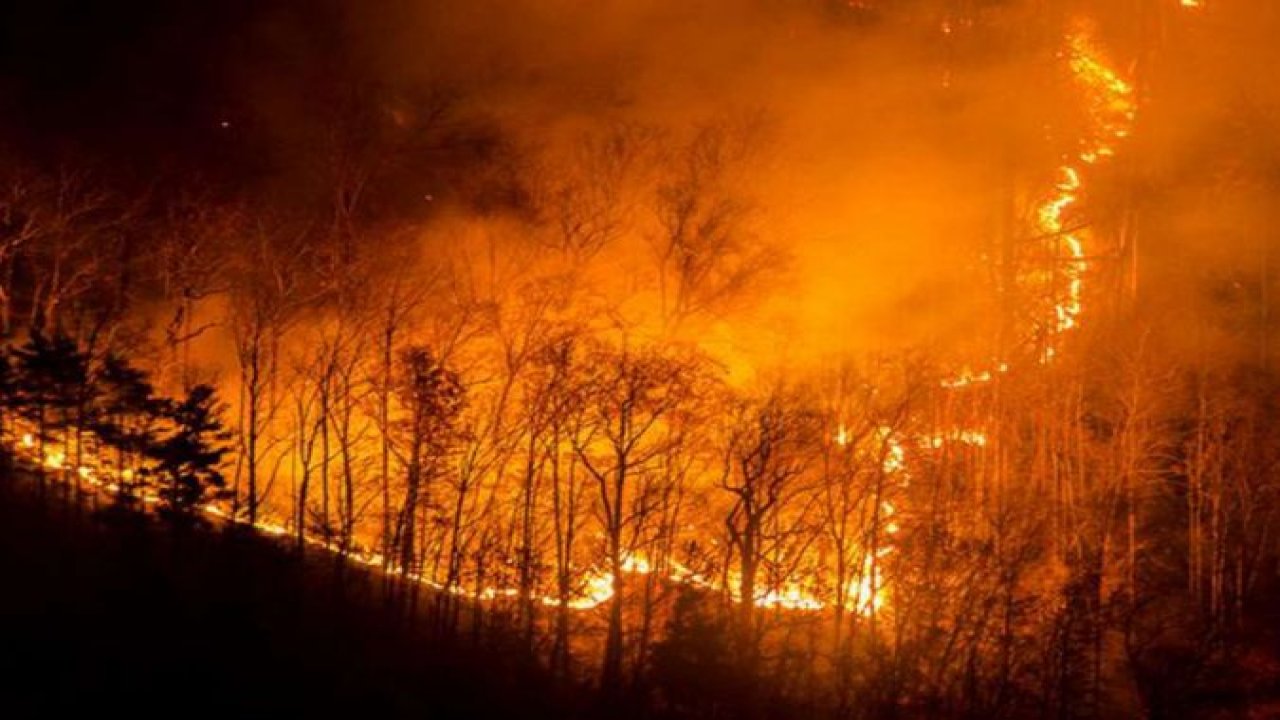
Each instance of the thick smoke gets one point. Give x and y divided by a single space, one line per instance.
884 151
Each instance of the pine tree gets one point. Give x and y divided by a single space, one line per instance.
188 458
54 390
126 418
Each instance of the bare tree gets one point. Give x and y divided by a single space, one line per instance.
708 253
265 300
767 452
629 394
432 397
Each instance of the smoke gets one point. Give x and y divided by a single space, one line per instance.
895 145
1203 181
885 156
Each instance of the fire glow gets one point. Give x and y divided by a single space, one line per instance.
1111 112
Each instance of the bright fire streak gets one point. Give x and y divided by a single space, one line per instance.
54 459
895 458
976 438
599 590
842 436
1111 112
790 598
968 377
637 564
865 594
597 587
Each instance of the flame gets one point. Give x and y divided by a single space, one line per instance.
54 459
865 595
976 438
790 597
598 591
636 563
969 377
842 436
895 459
1112 111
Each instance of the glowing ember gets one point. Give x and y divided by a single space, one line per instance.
790 598
968 377
636 563
842 436
54 459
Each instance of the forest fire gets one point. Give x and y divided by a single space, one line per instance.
1112 113
866 594
856 359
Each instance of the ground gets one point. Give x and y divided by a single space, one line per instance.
106 612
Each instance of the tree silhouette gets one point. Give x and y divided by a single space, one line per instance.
433 397
629 396
768 449
693 665
54 388
126 417
188 458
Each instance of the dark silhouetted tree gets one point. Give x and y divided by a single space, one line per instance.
188 459
693 665
126 417
433 397
54 387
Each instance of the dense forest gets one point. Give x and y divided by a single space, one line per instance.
742 358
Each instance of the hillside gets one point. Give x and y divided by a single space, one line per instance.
106 611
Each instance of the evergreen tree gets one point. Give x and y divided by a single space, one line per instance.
187 459
53 389
126 418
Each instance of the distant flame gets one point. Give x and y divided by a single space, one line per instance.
1112 111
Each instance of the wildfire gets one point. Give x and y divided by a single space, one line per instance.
895 459
968 377
55 459
976 438
1111 114
790 597
636 563
842 436
1112 110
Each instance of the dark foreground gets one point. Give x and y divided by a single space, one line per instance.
105 612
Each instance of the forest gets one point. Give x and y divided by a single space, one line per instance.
738 358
